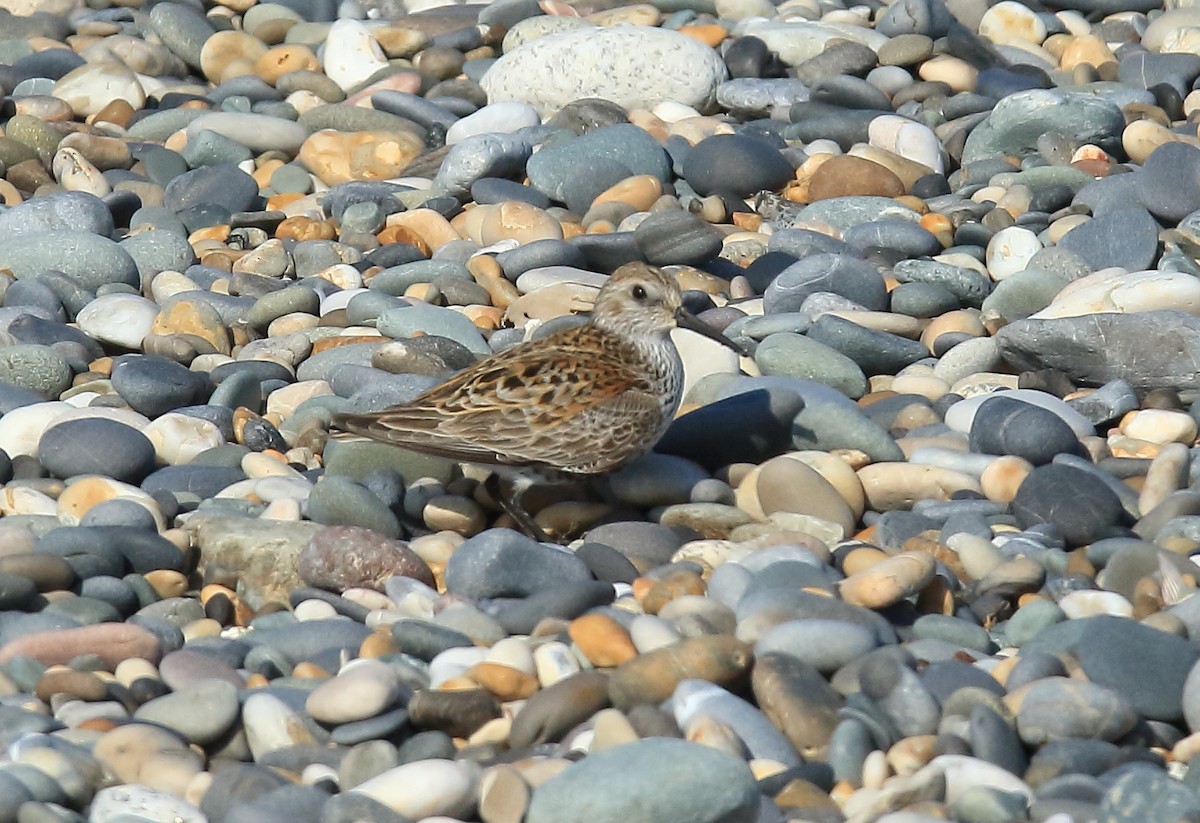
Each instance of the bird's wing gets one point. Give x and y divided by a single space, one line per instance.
513 408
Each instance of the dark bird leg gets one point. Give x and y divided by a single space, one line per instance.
508 494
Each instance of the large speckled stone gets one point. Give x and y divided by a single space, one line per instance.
634 66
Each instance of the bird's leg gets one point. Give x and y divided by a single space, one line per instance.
510 500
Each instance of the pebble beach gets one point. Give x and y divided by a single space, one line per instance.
924 553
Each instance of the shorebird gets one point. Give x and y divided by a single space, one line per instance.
577 403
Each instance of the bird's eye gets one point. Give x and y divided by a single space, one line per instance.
639 293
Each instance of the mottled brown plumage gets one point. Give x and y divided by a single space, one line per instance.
579 402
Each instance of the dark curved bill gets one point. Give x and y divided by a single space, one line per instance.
686 320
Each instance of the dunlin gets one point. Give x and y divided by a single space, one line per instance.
576 403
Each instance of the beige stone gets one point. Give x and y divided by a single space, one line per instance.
339 157
229 54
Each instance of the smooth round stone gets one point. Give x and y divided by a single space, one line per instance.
154 385
1164 181
1118 652
64 210
351 55
575 170
889 581
656 480
256 132
796 42
122 319
1010 250
798 700
1148 793
226 187
846 175
896 235
496 118
752 94
735 163
129 803
622 783
612 64
1127 238
339 501
849 277
826 645
1126 292
1057 708
1016 122
93 261
1079 505
323 562
39 369
202 711
1005 425
695 704
183 30
484 155
502 563
875 352
426 788
408 322
910 17
677 238
491 190
360 691
159 250
90 87
96 446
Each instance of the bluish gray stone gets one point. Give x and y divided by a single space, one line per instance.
96 446
406 322
39 369
154 385
1097 348
504 563
1168 180
1017 121
852 278
63 210
484 155
659 779
339 501
159 250
741 164
573 170
93 261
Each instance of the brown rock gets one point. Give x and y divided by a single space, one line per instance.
653 593
111 642
514 220
229 54
343 557
49 572
278 61
602 640
78 685
555 710
652 677
847 175
457 713
193 317
798 700
890 581
338 157
505 682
